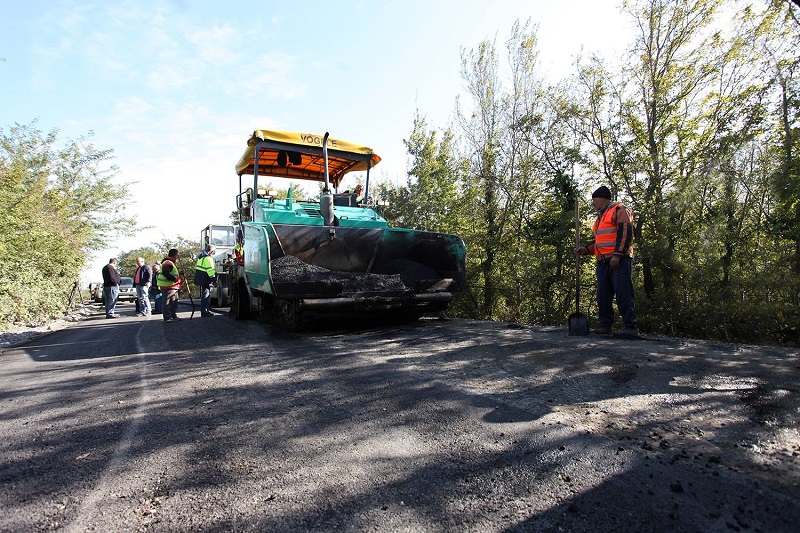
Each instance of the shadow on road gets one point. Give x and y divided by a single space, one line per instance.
437 425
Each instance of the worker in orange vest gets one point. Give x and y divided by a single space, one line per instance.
613 249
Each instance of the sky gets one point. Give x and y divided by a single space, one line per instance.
176 87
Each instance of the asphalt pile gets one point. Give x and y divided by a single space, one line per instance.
290 269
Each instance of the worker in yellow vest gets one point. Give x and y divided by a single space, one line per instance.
204 277
357 193
169 281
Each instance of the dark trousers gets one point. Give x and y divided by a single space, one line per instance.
169 302
616 282
205 298
156 294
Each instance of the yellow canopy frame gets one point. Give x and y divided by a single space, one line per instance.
299 155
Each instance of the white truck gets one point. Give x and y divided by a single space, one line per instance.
224 240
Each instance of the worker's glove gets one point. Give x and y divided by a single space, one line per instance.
614 261
581 250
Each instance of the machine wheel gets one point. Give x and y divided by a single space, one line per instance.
288 313
221 291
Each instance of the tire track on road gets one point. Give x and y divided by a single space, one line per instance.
90 508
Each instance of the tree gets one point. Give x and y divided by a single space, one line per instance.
57 205
680 134
433 199
502 175
673 63
482 131
698 132
778 34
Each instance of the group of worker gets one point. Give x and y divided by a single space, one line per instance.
171 278
164 281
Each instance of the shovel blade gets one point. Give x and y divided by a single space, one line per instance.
578 324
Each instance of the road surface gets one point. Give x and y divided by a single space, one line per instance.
212 424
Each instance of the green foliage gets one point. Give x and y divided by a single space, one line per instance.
697 133
127 260
56 207
431 199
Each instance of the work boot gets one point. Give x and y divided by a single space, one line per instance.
628 333
603 330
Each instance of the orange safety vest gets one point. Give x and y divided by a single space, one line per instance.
605 232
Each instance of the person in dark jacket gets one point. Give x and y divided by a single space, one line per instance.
155 292
111 279
142 280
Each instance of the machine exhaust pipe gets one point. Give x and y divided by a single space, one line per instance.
326 199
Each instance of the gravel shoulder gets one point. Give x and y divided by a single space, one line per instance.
16 335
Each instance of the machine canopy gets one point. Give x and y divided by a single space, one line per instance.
297 155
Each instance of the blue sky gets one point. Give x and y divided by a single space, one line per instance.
175 88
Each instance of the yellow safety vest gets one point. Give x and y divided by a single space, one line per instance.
163 281
206 264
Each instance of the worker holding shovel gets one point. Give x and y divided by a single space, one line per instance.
613 249
170 280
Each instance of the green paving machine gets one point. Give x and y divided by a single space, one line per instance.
334 257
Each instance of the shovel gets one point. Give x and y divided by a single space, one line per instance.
578 323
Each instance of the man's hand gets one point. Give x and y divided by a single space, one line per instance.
614 262
581 250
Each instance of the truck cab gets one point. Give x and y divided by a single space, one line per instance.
223 237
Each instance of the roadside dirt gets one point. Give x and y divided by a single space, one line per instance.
20 334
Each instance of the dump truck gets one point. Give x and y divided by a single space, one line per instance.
223 237
334 256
